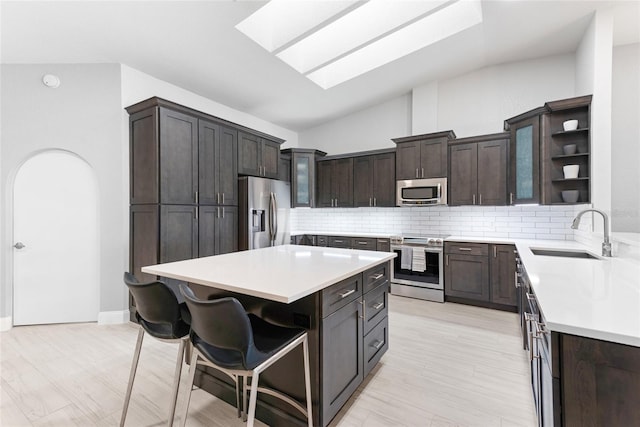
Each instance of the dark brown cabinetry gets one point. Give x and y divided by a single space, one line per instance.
478 170
524 158
422 156
481 274
354 334
218 165
303 176
554 158
258 156
374 179
335 183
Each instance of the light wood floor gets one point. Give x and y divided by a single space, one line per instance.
447 365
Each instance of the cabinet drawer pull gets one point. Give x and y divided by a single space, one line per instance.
374 202
510 198
339 241
346 294
531 297
417 176
495 252
378 306
223 198
377 276
370 202
377 344
465 249
362 243
474 199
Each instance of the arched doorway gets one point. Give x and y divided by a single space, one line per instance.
56 242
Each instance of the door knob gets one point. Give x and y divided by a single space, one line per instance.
19 245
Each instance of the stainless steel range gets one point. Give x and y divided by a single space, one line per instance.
417 271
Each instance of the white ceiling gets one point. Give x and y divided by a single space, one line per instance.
194 45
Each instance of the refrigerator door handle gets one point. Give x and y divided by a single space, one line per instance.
273 217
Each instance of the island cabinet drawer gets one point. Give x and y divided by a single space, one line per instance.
467 248
364 243
376 344
339 242
376 306
376 276
340 294
322 241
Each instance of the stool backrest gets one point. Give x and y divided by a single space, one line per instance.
155 302
222 323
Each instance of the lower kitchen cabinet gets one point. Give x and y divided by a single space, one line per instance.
481 274
355 334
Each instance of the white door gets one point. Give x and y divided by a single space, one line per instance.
56 267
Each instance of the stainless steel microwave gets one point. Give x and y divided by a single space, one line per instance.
421 192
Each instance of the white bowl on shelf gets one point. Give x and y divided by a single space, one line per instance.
570 125
570 149
570 196
571 171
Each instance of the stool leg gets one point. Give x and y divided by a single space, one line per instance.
307 380
245 397
176 382
132 375
253 399
192 375
238 379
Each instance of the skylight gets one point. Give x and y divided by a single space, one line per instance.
331 42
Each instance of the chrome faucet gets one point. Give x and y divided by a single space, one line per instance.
606 245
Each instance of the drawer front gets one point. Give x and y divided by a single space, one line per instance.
376 276
376 306
364 243
339 242
383 245
322 240
376 344
467 248
340 294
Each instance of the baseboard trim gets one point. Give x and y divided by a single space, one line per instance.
113 317
6 323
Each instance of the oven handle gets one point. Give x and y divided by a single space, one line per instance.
432 249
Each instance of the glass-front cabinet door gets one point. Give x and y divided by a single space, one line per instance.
303 170
524 186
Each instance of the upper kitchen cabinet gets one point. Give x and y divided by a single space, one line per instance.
374 179
179 156
258 156
303 176
423 156
562 147
524 160
478 170
335 182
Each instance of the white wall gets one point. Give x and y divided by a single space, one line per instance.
368 129
138 86
625 139
84 116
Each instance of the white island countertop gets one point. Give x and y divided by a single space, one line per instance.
594 298
280 273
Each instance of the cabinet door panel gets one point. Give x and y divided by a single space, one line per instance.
227 230
433 158
407 160
249 147
325 179
178 157
376 307
143 160
384 180
524 162
363 181
208 140
144 239
270 158
178 233
342 357
462 179
467 277
492 173
503 270
227 165
207 236
376 344
342 185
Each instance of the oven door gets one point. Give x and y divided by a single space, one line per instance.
410 272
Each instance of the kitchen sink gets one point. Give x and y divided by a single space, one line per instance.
564 253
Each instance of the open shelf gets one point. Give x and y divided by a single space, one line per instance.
569 156
569 132
580 178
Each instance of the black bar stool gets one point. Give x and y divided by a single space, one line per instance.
161 316
225 337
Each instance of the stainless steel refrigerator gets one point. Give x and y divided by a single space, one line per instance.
263 212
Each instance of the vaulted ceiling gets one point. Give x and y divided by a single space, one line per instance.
195 45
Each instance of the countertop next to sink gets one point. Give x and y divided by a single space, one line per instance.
596 298
344 233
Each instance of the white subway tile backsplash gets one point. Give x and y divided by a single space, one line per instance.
541 222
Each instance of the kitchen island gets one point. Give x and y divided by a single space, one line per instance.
339 295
